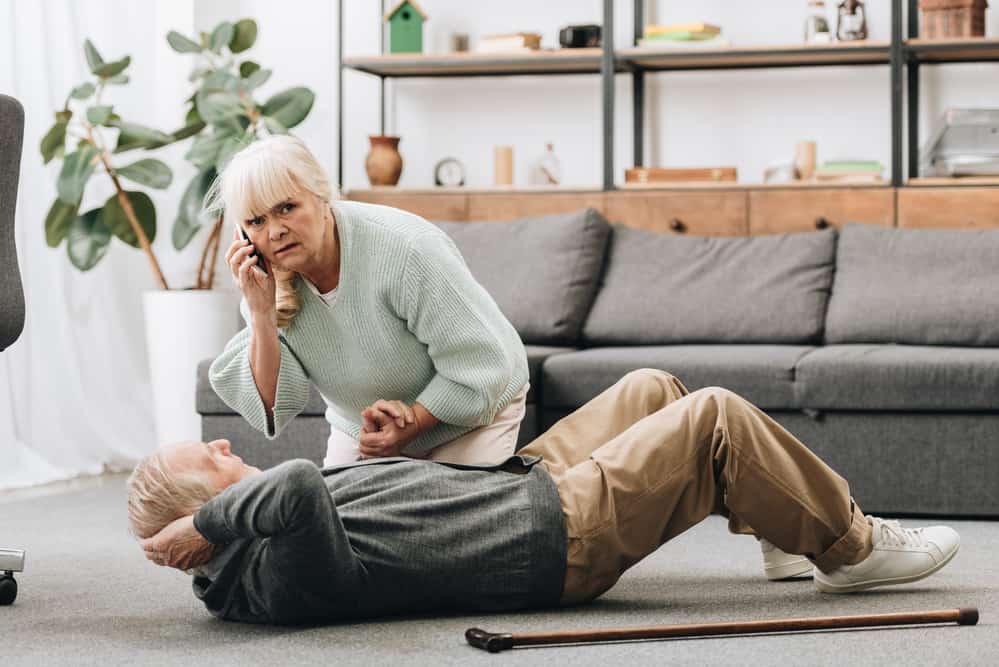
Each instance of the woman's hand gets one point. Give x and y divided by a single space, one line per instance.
179 545
388 427
258 287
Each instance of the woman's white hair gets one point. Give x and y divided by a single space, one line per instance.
257 178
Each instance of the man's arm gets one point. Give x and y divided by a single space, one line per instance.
307 546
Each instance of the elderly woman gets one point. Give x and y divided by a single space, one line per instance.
372 305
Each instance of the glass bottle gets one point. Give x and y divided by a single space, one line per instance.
546 170
816 24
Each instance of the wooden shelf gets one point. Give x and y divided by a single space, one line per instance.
551 61
969 49
953 181
490 190
799 55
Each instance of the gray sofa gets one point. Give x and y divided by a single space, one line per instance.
878 347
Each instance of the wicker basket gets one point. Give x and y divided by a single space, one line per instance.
946 19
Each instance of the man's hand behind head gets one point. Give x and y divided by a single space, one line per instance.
179 545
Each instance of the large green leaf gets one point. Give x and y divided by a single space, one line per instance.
189 218
83 91
218 107
150 172
219 80
256 79
94 59
134 135
57 221
53 141
116 220
244 35
99 115
182 44
221 36
87 240
76 171
205 149
290 107
247 68
273 126
108 70
230 147
188 130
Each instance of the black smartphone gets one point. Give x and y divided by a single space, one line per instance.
260 260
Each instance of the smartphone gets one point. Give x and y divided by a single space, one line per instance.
260 260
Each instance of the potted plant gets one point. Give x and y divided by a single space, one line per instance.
186 325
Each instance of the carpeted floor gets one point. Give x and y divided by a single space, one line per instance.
89 597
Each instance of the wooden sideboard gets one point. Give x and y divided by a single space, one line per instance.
713 209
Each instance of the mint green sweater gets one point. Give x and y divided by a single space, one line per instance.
409 323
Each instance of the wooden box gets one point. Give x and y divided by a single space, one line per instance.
945 19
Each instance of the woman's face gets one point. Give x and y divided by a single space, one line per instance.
290 235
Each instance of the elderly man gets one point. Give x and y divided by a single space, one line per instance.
557 524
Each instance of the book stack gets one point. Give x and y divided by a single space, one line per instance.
517 42
853 171
679 174
681 35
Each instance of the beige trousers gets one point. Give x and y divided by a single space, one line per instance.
646 460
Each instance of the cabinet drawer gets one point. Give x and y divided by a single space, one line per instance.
715 213
807 209
502 206
957 207
432 206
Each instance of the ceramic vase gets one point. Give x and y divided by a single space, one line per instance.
383 164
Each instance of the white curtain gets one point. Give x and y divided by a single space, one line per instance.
75 396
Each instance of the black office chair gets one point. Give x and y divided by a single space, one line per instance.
11 291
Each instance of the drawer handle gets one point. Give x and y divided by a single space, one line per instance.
677 225
821 223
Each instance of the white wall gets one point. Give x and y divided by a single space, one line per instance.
746 118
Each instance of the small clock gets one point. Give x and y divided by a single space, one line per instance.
449 172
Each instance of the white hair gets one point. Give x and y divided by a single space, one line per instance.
266 173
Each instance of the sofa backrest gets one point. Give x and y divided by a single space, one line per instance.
11 291
664 288
542 272
922 287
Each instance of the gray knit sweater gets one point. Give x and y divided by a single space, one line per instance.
386 536
409 323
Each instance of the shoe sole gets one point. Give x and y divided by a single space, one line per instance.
797 568
864 585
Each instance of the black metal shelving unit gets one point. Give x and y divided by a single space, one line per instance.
903 57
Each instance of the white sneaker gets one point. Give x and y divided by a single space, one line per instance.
900 555
779 564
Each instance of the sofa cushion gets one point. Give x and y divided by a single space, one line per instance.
923 287
542 272
536 356
764 374
899 377
667 288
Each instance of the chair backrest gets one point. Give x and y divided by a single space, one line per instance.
11 291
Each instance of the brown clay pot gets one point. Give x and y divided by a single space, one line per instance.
383 164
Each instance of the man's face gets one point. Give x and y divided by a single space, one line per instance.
213 460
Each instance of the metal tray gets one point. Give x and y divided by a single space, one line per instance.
964 143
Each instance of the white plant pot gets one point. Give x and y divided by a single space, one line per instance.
184 327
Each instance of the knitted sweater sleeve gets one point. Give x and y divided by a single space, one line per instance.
454 316
232 379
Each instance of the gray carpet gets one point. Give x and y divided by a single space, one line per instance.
89 597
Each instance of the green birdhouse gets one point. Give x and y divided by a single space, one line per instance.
406 27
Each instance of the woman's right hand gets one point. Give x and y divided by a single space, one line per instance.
257 287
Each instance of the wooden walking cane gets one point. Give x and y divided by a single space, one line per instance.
495 642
